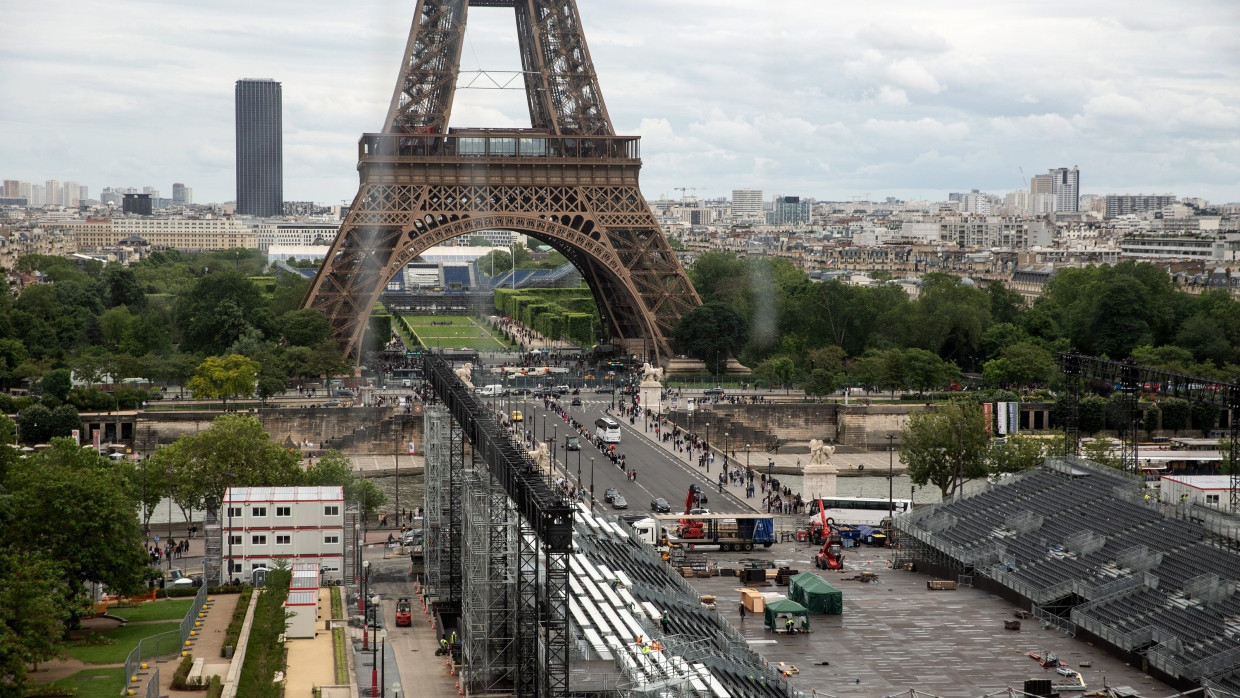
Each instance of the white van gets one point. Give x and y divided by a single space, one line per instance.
491 390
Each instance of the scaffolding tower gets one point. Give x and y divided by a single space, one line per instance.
489 612
436 424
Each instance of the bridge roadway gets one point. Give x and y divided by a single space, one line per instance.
659 472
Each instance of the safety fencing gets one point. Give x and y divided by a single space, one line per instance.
162 645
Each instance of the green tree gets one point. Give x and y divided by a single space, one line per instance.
711 333
1016 453
1031 364
35 424
1205 416
224 376
1175 414
218 310
1006 305
63 420
57 383
33 611
495 262
822 382
1092 414
777 369
924 370
998 373
123 288
831 357
96 537
305 328
946 446
334 468
1102 451
233 451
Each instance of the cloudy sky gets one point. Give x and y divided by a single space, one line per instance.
819 98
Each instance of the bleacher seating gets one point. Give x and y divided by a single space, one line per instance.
609 620
1080 504
456 275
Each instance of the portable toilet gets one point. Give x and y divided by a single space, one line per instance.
258 577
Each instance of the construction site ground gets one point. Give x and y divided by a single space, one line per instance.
896 635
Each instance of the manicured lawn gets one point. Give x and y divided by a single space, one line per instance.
124 639
170 609
95 683
460 332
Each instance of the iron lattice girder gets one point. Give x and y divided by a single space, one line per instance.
1144 379
420 181
636 278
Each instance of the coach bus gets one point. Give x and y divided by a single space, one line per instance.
608 430
869 511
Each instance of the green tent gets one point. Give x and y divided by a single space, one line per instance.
816 594
778 611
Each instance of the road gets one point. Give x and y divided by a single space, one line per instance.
659 473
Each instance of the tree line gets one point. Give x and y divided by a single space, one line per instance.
159 319
823 335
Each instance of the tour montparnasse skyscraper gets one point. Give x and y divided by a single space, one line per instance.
260 151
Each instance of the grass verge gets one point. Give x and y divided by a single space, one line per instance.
88 683
340 648
113 646
172 609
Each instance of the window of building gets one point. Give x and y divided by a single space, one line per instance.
235 539
284 540
284 511
331 540
258 511
1212 499
258 540
234 511
234 566
331 511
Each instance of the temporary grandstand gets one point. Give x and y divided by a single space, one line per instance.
563 276
1086 551
619 590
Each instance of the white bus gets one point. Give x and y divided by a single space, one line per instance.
608 430
856 510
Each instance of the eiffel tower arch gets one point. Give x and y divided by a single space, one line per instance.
568 181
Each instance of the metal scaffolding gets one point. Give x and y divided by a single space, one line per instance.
455 546
436 424
489 613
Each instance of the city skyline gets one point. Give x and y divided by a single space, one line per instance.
800 98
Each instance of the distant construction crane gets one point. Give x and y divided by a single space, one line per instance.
682 191
1023 180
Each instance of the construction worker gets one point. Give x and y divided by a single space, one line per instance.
666 622
443 645
788 625
645 649
454 639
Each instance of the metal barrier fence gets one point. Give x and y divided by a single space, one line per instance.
187 623
152 685
164 644
161 645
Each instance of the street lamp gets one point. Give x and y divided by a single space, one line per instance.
591 483
374 647
170 512
230 528
891 480
361 598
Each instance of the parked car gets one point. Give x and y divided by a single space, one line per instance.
610 494
605 389
713 391
660 505
619 502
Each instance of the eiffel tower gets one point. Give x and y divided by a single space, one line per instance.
568 181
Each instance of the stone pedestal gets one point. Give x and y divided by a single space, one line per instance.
651 392
820 481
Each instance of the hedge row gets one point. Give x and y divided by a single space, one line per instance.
569 313
233 633
264 654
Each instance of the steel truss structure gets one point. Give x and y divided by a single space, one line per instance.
489 614
436 424
1136 380
532 523
568 181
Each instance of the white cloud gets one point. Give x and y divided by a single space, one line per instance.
804 96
